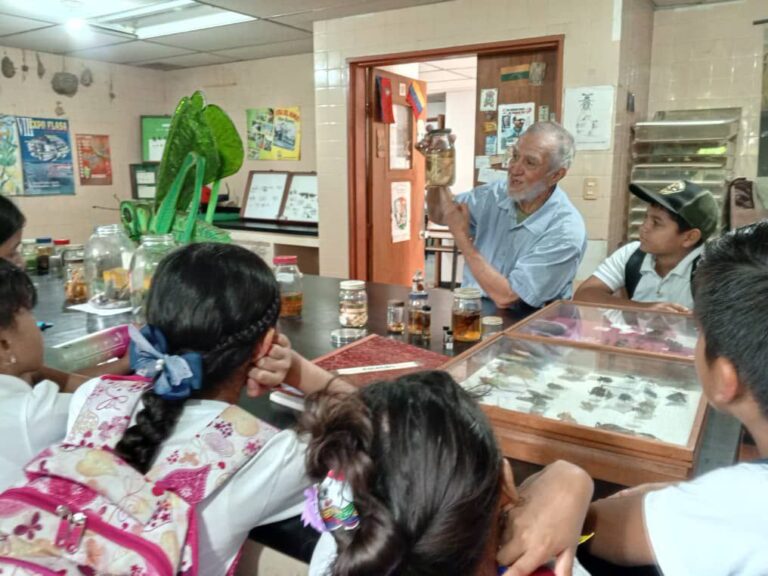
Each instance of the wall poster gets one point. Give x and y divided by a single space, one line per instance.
488 99
154 133
588 115
93 159
401 211
274 133
46 154
514 120
11 175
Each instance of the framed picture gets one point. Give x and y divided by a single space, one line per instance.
264 195
624 418
144 180
436 123
301 205
154 133
612 327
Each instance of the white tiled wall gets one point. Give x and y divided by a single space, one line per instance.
591 58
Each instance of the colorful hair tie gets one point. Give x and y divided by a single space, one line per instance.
330 505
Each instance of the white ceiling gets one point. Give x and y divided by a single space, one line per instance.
449 74
281 28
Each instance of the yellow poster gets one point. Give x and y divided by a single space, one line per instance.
274 133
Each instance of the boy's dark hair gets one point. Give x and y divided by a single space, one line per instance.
219 300
16 293
11 219
731 304
424 469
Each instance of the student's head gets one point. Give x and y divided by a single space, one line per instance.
424 470
679 218
219 301
21 341
731 306
539 160
11 225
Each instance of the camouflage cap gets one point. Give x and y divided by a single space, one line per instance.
690 201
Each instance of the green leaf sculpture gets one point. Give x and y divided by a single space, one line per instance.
207 131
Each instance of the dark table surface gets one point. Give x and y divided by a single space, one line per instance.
310 336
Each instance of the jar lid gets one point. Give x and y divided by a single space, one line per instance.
441 131
279 260
427 308
43 240
29 241
395 303
60 242
352 285
492 321
467 293
342 336
418 295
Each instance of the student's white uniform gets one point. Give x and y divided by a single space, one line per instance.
31 419
267 489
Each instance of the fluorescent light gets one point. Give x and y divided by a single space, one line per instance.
148 10
74 25
191 24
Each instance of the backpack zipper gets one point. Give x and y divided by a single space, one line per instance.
76 525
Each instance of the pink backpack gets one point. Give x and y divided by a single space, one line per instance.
84 511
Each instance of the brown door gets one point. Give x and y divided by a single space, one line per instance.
395 187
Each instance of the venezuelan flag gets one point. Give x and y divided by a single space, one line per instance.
415 98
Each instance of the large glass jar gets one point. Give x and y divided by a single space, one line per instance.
289 277
107 262
465 315
416 301
75 287
143 265
441 159
353 304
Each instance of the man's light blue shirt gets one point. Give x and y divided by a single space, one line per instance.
540 255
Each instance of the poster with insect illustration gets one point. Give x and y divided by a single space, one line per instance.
11 175
646 398
589 116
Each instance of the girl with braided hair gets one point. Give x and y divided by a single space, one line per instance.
211 316
411 482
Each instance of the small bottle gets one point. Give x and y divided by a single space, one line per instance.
416 302
56 263
490 326
448 341
44 248
29 254
353 304
89 350
289 277
395 316
465 315
425 315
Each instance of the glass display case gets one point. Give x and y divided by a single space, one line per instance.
623 417
642 331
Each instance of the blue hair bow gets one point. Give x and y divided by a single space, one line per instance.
175 376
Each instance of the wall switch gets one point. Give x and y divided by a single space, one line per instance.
590 189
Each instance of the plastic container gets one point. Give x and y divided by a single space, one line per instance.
395 316
289 277
145 260
108 256
490 326
441 159
465 314
353 304
29 255
44 250
90 350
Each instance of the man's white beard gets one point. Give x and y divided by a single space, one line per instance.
536 190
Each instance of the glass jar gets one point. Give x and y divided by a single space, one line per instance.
44 248
490 326
441 159
75 286
145 260
416 301
291 286
425 319
353 304
465 314
29 255
56 262
395 316
107 263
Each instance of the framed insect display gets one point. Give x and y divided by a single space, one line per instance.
624 417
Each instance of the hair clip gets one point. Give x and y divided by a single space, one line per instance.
330 505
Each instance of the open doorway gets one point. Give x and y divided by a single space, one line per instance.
449 79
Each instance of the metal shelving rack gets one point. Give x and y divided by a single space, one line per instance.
695 145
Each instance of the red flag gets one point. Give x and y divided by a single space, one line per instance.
384 88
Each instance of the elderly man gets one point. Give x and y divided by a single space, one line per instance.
522 239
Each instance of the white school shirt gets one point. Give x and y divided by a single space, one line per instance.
268 488
31 419
675 287
715 525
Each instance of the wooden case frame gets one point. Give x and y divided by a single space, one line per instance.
606 455
289 176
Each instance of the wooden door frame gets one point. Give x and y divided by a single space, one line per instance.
357 184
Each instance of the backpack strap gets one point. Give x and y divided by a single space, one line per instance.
215 454
632 273
107 411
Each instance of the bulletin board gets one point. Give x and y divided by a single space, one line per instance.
154 133
281 197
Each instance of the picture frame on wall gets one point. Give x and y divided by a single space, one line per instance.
436 123
281 197
154 133
144 180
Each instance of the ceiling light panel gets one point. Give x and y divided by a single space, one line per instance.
63 10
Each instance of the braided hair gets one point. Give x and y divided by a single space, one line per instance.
424 468
218 300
